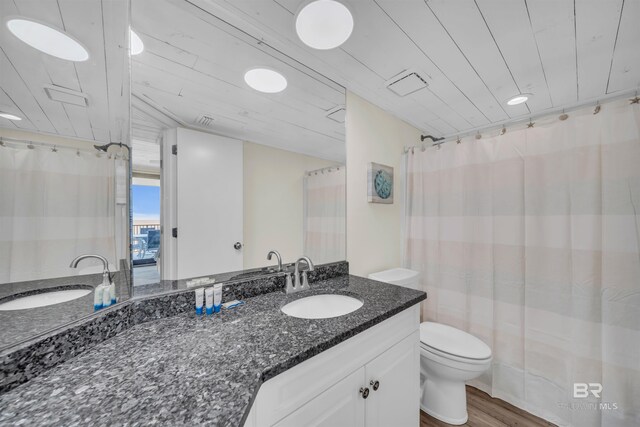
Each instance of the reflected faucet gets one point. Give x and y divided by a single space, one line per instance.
105 263
277 254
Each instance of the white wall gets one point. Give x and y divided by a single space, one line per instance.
273 202
373 230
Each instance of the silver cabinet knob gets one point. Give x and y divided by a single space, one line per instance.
374 384
237 246
364 391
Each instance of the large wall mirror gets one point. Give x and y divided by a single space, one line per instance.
224 173
64 166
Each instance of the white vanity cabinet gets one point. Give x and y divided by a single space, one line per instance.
329 389
397 371
340 405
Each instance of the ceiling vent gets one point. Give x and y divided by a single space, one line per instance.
337 114
406 83
206 121
66 96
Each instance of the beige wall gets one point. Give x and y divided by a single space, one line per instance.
373 230
273 199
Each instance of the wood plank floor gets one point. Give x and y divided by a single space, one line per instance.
485 411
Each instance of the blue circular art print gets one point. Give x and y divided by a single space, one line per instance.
382 184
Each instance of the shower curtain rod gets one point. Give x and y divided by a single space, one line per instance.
321 170
522 119
54 147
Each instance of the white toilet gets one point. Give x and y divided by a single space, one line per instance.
448 358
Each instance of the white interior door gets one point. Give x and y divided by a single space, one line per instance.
396 402
209 203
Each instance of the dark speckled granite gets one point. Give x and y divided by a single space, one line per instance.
25 361
29 359
21 325
195 370
321 272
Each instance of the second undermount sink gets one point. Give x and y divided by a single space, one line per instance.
322 306
44 298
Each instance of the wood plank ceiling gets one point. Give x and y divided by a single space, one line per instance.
193 66
102 27
474 54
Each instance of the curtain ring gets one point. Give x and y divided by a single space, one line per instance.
564 116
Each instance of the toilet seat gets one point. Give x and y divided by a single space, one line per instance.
452 343
453 361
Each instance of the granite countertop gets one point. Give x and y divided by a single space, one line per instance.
196 370
21 325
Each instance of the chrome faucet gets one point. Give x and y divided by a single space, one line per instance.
277 254
105 263
304 286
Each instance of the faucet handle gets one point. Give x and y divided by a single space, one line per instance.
289 289
305 282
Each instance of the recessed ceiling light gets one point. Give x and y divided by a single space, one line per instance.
10 116
135 42
265 80
48 40
324 24
519 99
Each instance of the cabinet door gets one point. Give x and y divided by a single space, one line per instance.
397 400
340 405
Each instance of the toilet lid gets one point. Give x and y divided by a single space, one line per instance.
453 341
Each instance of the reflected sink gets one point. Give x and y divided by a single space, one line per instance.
322 306
43 299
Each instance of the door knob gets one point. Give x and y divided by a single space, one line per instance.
374 384
237 246
364 391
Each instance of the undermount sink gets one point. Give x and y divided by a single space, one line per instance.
322 306
43 299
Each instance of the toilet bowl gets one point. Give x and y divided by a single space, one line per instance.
448 358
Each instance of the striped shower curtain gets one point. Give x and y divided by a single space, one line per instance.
324 215
531 241
54 206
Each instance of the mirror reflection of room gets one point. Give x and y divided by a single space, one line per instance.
64 164
243 170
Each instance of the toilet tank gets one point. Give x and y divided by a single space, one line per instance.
398 276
